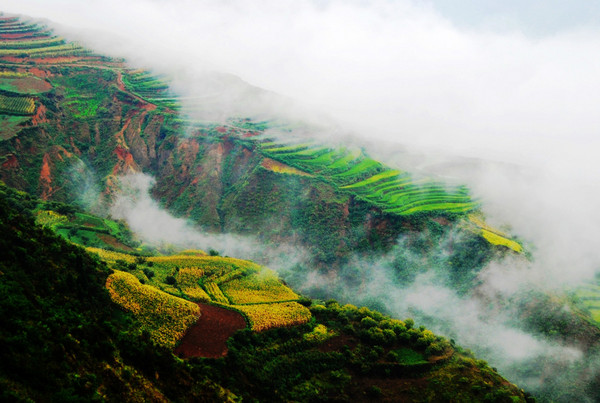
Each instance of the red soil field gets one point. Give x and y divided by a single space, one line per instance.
112 241
26 83
208 336
16 35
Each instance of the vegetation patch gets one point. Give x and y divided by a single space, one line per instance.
276 166
16 105
588 298
24 85
165 317
258 288
496 239
269 316
353 172
10 126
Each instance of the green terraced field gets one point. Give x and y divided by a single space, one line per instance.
391 190
16 105
588 298
10 126
32 44
22 39
151 88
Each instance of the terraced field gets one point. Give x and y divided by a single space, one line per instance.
86 229
588 297
235 284
164 316
352 171
26 39
151 88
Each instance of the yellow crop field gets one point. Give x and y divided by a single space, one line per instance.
188 279
165 317
110 256
193 252
213 266
49 218
196 294
496 239
189 276
268 316
258 288
493 235
278 167
215 292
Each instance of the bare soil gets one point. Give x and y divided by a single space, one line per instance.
208 337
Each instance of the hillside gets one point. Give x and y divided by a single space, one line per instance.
92 119
63 339
74 124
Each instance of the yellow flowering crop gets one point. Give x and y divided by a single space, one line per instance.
258 288
213 266
319 334
215 292
189 276
110 256
496 239
165 317
268 316
49 218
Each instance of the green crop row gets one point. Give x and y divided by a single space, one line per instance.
151 88
32 44
18 28
16 105
391 190
63 49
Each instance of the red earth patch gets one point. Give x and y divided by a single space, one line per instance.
208 337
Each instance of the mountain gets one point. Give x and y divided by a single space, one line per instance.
75 125
64 339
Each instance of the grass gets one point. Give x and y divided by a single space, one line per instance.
152 88
10 126
24 85
32 44
407 356
215 293
491 234
84 107
47 51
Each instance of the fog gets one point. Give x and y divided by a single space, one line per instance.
157 227
493 96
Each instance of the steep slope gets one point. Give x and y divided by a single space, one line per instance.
94 119
63 339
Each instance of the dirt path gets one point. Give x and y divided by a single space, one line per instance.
208 337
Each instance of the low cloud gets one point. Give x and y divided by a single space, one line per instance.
156 226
